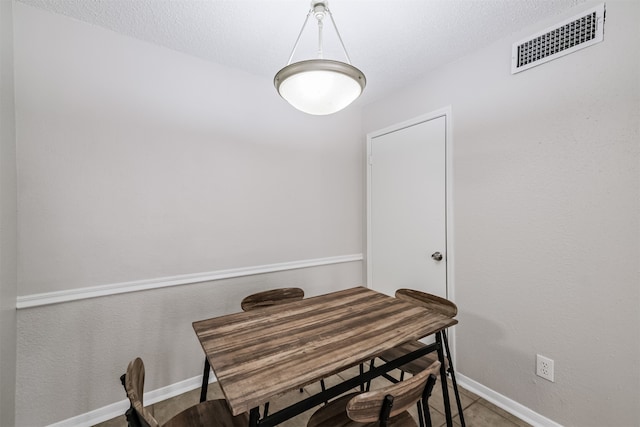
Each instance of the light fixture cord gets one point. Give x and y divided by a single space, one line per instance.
319 38
320 53
295 46
344 49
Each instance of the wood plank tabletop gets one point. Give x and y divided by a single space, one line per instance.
261 354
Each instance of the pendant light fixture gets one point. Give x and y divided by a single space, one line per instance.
319 86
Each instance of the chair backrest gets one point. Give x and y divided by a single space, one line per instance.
367 407
430 301
134 385
271 297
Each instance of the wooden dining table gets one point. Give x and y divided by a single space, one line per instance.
261 354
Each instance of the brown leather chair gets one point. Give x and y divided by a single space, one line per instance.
253 302
383 407
271 297
440 305
209 413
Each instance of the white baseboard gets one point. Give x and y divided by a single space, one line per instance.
509 405
108 412
116 409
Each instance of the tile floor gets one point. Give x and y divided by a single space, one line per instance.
477 411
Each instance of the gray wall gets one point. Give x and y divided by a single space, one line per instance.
136 162
547 219
71 355
140 163
8 279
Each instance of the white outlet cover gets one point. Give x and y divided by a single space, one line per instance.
544 367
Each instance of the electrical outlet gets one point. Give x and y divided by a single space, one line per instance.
544 367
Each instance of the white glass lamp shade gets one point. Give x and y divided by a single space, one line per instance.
319 86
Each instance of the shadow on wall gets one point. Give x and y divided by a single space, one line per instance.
478 339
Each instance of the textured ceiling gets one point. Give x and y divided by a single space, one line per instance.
391 41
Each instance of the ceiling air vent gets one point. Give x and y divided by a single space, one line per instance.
568 36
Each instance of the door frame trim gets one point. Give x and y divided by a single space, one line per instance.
445 112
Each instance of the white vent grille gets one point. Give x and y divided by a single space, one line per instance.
575 33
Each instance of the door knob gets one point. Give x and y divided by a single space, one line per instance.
436 256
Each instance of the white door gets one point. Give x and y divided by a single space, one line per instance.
407 208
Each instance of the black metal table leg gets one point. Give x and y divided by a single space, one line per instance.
205 380
453 379
315 400
254 417
443 379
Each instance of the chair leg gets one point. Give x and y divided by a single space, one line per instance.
453 379
428 388
362 386
420 415
427 417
